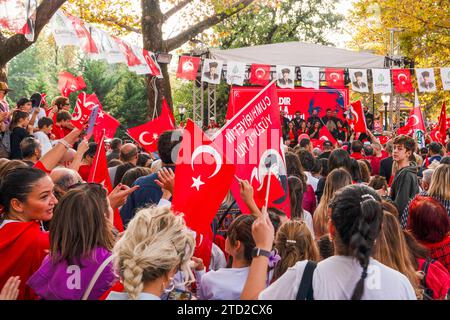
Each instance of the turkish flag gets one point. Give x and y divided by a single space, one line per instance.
167 112
334 77
260 74
402 80
105 122
260 190
251 140
188 67
439 134
383 139
325 135
147 134
125 48
151 61
81 112
203 176
356 118
68 83
87 43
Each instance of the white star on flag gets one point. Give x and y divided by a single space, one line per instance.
155 136
101 114
197 183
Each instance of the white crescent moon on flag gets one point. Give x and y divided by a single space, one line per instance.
334 75
323 138
416 122
276 168
210 150
355 114
260 70
402 75
77 112
188 66
141 139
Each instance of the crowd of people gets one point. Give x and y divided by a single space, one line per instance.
368 220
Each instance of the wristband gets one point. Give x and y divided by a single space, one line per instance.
64 143
256 252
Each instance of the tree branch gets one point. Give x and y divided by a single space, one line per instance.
18 43
175 9
124 26
190 33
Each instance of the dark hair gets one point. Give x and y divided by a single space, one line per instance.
326 247
296 191
16 117
130 155
44 122
357 215
36 99
116 143
378 182
275 221
324 167
435 147
317 166
447 146
357 146
390 207
63 115
142 159
307 160
364 171
59 101
74 236
406 141
339 158
294 166
424 150
114 163
304 142
428 220
417 250
368 151
120 172
92 149
355 171
168 145
131 175
445 160
28 146
241 229
22 102
17 184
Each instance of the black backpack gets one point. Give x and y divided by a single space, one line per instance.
305 290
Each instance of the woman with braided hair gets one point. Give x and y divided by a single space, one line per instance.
154 247
356 217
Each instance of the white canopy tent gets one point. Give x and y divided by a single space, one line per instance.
301 54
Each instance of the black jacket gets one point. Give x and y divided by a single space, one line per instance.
404 187
386 168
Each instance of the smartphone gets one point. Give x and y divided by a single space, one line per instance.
178 294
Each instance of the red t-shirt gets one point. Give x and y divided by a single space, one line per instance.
40 165
375 164
58 132
66 131
84 171
356 156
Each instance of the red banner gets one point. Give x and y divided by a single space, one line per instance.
292 100
188 67
335 77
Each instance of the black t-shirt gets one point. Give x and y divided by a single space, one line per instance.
17 135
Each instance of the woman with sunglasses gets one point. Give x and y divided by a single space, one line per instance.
26 197
79 265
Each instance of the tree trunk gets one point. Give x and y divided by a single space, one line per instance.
3 73
152 22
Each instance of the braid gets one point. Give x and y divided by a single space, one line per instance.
132 278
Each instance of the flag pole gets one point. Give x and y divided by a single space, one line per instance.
268 188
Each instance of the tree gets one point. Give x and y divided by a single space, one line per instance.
12 46
193 18
279 21
424 37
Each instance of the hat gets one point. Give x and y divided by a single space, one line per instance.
358 74
425 74
213 64
4 87
285 70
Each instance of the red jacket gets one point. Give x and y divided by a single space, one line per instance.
23 246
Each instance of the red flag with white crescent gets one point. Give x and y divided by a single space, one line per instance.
260 74
439 134
68 83
81 111
356 118
150 58
147 134
325 135
188 67
334 77
402 81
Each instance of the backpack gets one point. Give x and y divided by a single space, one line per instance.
436 279
305 290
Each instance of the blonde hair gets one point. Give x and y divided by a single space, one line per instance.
440 182
155 242
294 242
336 179
392 250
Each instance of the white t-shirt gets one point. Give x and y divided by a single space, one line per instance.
223 284
124 296
44 140
218 259
309 222
313 181
335 278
